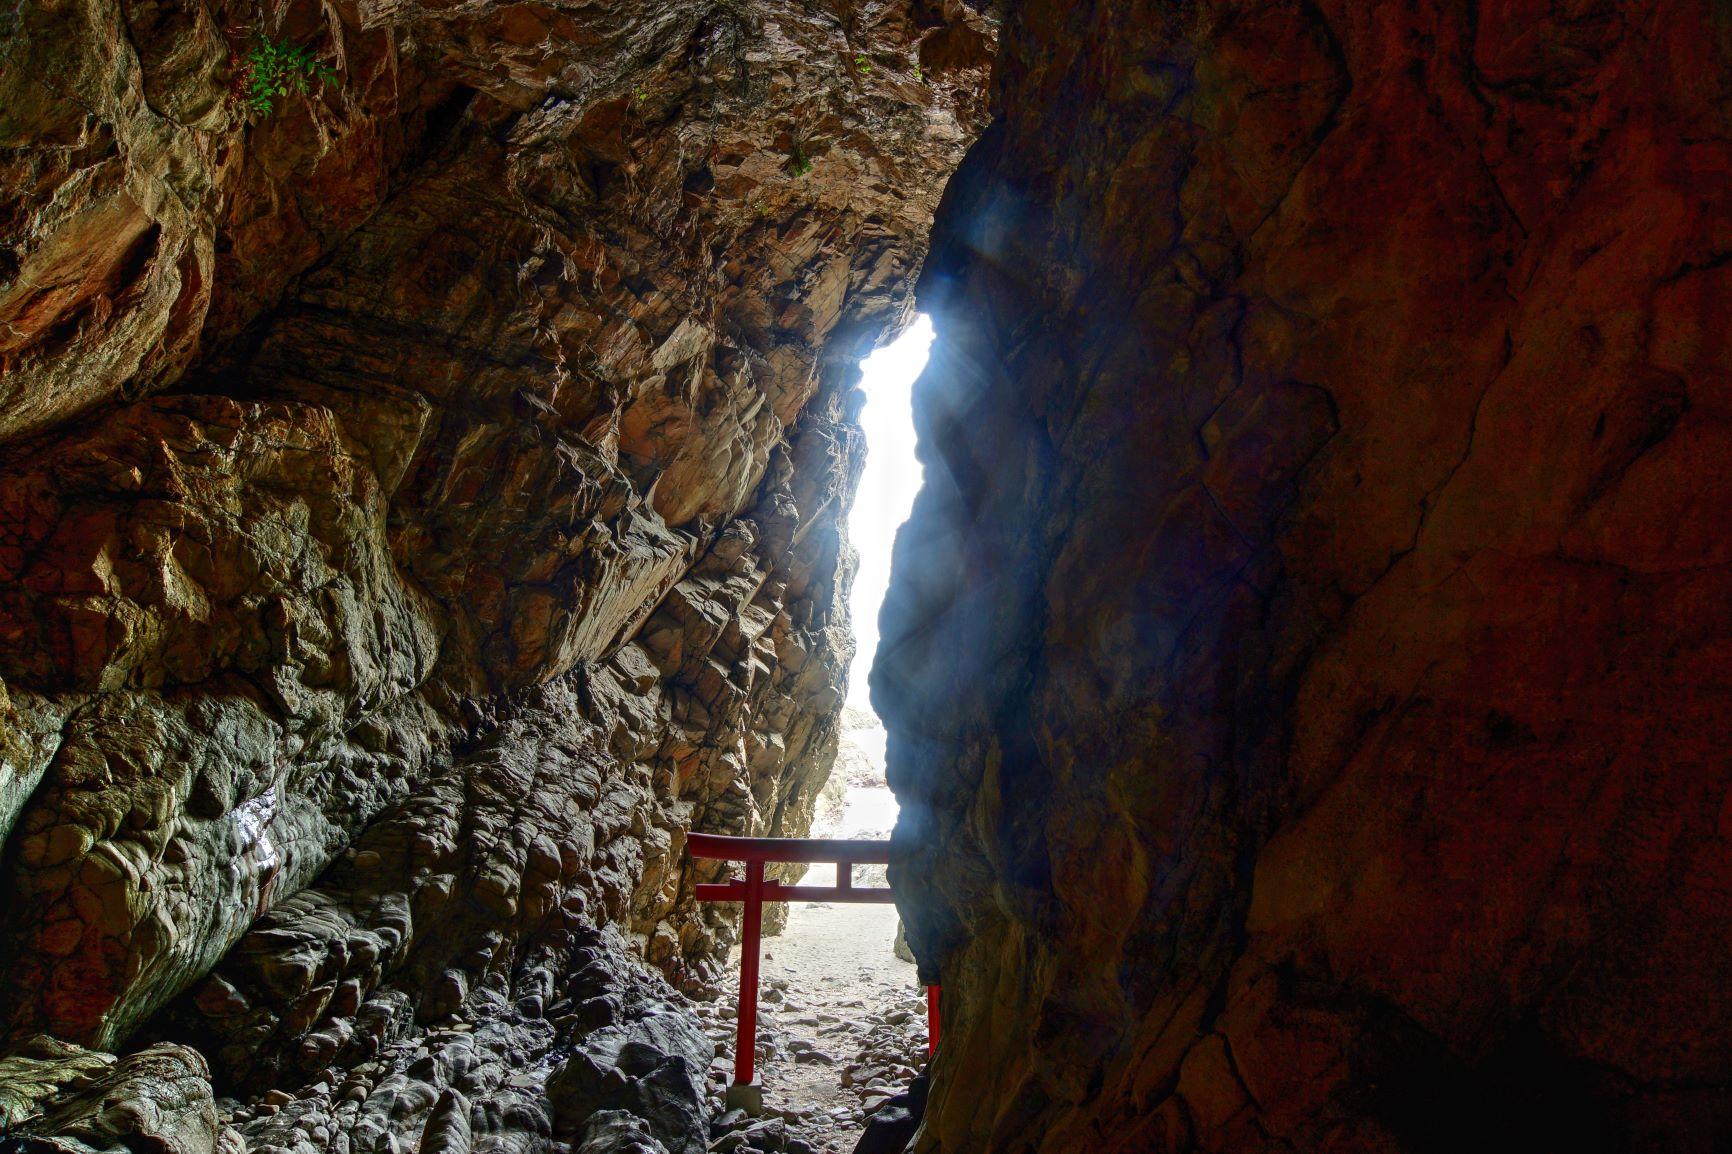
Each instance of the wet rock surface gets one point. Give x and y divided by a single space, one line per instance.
1306 666
57 1096
419 506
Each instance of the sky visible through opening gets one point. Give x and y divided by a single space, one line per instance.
887 487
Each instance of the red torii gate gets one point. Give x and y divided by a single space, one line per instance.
754 891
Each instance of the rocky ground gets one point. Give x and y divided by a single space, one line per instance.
842 1021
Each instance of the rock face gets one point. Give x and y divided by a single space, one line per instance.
419 505
1307 667
159 1097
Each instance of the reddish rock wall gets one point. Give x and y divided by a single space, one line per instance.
1307 669
419 506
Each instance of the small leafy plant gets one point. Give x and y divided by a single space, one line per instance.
863 64
802 164
273 68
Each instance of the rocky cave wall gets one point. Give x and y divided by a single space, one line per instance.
419 506
1307 668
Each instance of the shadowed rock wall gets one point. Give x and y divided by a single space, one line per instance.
1307 665
420 506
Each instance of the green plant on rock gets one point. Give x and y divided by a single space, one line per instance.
273 68
800 163
863 64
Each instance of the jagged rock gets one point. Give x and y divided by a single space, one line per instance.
40 1069
1305 668
419 506
616 1132
652 1067
57 1096
892 1126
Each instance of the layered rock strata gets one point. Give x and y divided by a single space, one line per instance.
420 504
1307 665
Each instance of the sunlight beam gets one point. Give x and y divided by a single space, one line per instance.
887 486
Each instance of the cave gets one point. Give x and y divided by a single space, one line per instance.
428 430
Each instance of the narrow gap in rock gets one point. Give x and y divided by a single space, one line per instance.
842 1024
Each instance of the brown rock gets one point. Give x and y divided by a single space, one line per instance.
419 507
1305 669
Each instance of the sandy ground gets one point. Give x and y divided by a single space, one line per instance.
842 1020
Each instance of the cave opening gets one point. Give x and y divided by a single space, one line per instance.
424 510
841 1022
858 802
888 483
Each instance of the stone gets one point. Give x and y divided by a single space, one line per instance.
768 1134
617 1132
728 1122
888 1130
38 1070
420 505
1304 664
62 1097
746 1097
671 1101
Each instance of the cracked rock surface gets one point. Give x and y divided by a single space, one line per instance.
1306 669
420 505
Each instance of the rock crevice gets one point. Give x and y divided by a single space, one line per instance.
420 504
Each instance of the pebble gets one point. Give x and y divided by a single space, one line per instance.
874 1047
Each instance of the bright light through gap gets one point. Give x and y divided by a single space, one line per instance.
887 486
